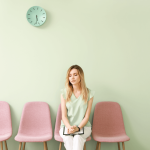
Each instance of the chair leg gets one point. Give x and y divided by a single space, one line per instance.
118 146
46 145
2 145
123 146
24 145
84 146
5 145
20 145
99 145
60 145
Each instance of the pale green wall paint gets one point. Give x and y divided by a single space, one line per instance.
108 39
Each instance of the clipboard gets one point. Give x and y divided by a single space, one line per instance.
75 133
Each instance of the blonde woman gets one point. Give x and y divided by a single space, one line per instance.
76 104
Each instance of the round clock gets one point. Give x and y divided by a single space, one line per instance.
36 16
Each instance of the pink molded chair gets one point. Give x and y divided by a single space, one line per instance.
35 124
57 137
108 124
5 123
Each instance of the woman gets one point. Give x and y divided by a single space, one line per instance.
76 104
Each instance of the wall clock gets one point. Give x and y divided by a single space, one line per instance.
36 16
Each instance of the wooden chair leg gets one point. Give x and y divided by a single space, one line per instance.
20 145
118 146
99 145
84 146
123 146
60 145
2 145
5 145
24 145
46 145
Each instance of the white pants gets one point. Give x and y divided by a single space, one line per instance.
75 142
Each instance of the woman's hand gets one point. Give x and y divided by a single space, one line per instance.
73 129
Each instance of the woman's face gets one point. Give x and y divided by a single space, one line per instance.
74 77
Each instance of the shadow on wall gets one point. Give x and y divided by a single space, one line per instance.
12 144
133 138
48 21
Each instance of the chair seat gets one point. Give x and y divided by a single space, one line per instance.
59 139
33 138
4 137
119 138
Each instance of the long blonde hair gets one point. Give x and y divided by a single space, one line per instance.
69 87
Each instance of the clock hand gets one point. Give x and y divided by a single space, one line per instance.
36 19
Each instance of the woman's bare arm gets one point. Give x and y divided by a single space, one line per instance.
87 114
64 112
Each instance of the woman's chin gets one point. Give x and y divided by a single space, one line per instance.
75 83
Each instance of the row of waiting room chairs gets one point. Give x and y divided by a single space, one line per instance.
35 124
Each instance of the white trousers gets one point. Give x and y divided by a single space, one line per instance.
75 142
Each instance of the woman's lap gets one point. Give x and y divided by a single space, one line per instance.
87 133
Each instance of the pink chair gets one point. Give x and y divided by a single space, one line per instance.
108 124
35 124
5 123
57 137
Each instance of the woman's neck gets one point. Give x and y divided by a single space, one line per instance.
76 88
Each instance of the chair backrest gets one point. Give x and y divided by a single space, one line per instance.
108 120
5 118
35 119
58 120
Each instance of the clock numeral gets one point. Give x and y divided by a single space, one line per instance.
38 23
41 20
41 9
28 14
43 13
30 11
28 18
37 8
31 21
43 17
33 8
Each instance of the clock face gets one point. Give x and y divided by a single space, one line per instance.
36 16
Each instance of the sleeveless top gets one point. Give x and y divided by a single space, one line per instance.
76 109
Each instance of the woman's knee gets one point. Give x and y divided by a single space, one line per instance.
67 138
79 138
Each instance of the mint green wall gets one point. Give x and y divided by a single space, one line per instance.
108 39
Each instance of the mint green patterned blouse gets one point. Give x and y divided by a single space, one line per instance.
76 109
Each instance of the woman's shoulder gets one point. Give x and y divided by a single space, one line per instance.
90 90
63 92
91 93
